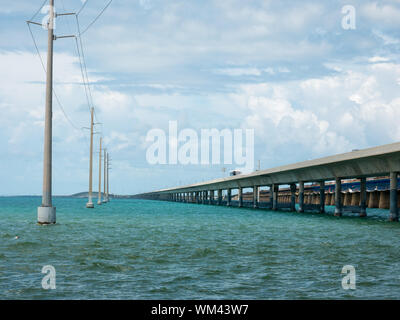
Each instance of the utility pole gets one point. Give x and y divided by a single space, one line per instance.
108 177
46 212
90 203
99 193
105 176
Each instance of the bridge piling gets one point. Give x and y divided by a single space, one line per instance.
338 198
275 193
240 196
363 197
322 197
394 211
301 196
293 197
255 196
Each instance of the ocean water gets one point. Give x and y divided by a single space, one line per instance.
134 249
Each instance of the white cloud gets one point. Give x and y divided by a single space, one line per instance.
239 71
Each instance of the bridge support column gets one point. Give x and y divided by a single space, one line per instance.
271 196
212 196
301 196
322 197
363 197
394 211
293 197
219 197
275 193
240 195
229 196
338 197
256 196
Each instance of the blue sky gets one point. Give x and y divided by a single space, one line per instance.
286 69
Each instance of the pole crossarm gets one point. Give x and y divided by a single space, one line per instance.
63 37
65 14
32 22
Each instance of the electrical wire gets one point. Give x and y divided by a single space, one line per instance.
95 19
82 61
83 7
82 73
84 67
37 12
54 91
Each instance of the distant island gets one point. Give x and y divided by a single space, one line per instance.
95 195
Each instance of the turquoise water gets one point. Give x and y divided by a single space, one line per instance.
134 249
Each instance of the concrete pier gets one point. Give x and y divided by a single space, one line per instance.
256 194
301 196
338 197
394 211
240 197
322 197
363 197
219 197
293 197
275 191
229 197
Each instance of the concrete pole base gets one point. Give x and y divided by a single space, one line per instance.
99 203
89 205
46 215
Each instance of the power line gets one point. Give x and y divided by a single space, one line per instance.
83 59
82 73
45 71
81 56
37 12
83 7
85 68
68 24
98 16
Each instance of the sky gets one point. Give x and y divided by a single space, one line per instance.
286 69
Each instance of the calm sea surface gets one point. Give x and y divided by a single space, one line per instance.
133 249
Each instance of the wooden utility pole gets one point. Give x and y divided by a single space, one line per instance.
90 203
46 212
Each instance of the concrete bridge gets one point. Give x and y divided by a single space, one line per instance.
361 164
